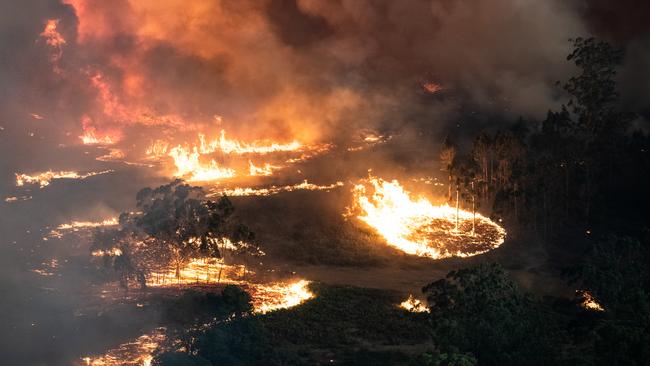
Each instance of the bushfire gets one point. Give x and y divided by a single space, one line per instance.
45 178
416 226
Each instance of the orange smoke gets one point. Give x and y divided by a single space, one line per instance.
56 42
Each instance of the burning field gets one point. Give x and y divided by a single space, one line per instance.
416 226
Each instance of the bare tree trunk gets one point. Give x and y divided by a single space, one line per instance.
566 190
457 206
516 205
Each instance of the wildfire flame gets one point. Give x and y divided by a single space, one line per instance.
265 170
55 41
270 297
414 305
136 353
418 227
44 179
157 149
113 252
266 298
189 167
88 224
589 302
228 146
248 191
197 271
91 138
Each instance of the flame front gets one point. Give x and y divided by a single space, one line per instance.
270 297
249 191
414 305
139 352
418 227
194 163
228 146
44 179
190 167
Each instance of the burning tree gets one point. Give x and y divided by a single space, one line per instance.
174 224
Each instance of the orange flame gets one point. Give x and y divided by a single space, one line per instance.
420 228
414 305
44 179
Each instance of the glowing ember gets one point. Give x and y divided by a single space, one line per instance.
113 252
44 179
421 228
191 169
431 87
588 301
17 199
139 352
414 305
48 268
276 296
247 191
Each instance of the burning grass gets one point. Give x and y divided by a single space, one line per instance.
45 178
418 227
138 352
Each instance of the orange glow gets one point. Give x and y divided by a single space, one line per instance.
190 166
90 135
589 302
44 179
51 34
431 87
414 305
157 149
265 170
113 252
191 169
56 42
270 297
229 146
198 271
249 191
88 224
138 352
415 226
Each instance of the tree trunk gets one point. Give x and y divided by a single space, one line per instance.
457 206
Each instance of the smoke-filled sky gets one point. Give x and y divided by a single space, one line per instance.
305 70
